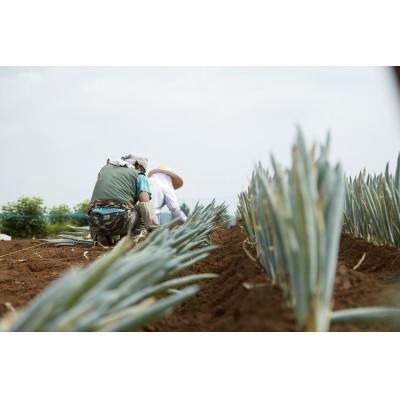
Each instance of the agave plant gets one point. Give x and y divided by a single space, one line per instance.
295 216
127 288
372 208
75 235
245 214
303 206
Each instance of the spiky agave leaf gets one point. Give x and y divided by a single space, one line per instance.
366 315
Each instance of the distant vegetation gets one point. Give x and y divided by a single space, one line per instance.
25 227
31 220
61 209
81 208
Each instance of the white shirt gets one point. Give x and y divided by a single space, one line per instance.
163 193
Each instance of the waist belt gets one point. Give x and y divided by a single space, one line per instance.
104 211
110 204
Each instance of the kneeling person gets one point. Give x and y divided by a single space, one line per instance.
120 201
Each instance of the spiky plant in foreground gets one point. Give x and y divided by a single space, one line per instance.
128 287
372 207
295 216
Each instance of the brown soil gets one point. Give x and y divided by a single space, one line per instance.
376 282
25 273
242 298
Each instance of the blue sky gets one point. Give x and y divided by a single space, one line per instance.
59 125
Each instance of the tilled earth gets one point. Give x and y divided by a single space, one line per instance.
242 298
31 266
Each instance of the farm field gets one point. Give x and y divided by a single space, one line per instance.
312 250
241 298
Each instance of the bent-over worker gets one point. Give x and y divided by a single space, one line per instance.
121 200
163 183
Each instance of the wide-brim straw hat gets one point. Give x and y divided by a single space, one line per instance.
177 181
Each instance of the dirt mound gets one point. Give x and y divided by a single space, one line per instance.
375 282
381 262
241 299
376 279
33 266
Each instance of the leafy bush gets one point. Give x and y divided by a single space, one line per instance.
55 229
81 208
61 209
25 227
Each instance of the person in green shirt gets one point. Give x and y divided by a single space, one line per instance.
120 202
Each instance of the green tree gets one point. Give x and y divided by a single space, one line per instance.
81 208
32 225
61 209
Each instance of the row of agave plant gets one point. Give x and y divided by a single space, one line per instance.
294 218
75 235
372 207
131 286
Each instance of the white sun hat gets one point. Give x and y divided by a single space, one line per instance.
177 181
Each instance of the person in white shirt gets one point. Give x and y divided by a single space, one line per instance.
164 182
